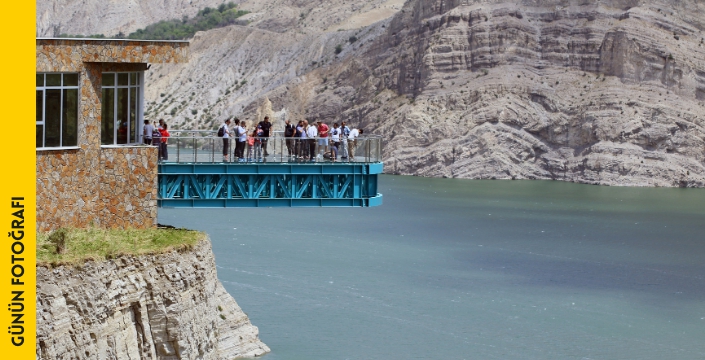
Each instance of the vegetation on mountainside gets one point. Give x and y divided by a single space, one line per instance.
74 246
206 19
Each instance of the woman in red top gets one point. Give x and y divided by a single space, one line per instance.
165 139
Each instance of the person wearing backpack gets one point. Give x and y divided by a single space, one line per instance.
224 132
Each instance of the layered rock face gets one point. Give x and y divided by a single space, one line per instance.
607 93
167 306
601 93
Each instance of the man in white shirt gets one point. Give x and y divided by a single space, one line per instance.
311 133
352 141
241 134
226 140
147 132
335 142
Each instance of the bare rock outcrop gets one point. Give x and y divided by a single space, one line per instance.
167 306
602 93
605 92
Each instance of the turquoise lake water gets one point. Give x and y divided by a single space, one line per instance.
463 269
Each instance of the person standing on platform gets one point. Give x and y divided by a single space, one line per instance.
289 132
147 132
226 139
335 142
266 126
322 137
241 134
311 133
304 140
352 141
157 141
344 133
297 135
165 140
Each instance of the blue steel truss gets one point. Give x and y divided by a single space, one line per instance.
268 185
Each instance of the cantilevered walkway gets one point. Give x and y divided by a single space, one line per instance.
196 175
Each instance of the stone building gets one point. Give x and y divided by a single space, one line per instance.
92 168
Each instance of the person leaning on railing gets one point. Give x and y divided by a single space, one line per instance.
352 141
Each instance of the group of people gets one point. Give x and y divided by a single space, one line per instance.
157 136
303 141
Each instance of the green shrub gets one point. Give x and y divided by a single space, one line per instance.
206 19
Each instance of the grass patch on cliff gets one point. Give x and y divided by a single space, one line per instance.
74 246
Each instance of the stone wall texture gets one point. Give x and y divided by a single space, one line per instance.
74 51
166 306
94 185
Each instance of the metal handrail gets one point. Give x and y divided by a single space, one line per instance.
200 149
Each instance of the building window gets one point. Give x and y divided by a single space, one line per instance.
57 110
122 108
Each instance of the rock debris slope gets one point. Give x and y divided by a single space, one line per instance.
167 306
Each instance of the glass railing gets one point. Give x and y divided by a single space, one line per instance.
206 147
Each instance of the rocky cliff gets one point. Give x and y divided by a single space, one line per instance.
167 306
601 92
608 92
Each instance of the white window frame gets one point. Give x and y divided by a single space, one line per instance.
137 137
61 87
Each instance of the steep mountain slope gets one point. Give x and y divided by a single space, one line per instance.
110 17
607 93
601 92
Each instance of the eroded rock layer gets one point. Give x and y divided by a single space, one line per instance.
605 93
601 92
167 306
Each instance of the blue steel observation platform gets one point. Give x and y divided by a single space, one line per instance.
196 175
